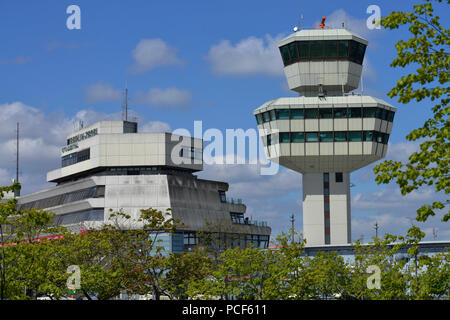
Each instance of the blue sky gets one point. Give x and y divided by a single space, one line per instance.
208 60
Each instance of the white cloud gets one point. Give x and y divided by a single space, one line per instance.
170 97
17 60
250 56
155 126
41 137
101 92
151 53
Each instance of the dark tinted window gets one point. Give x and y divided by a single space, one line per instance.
303 49
340 112
369 112
331 48
340 136
343 48
354 112
285 137
316 49
326 113
266 116
259 119
384 114
355 136
339 177
269 140
293 53
385 138
272 115
312 137
353 50
282 113
285 54
379 113
297 114
368 135
311 113
360 53
326 136
298 137
391 116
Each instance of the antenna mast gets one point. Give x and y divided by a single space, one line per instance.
17 191
376 229
125 105
292 230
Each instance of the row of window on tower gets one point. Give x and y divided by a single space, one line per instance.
323 49
75 157
328 136
325 113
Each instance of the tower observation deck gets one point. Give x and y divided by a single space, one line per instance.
327 132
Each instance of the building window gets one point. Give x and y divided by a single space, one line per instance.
326 177
343 48
266 117
75 157
339 177
293 53
354 112
259 118
237 217
391 116
340 113
354 136
340 136
326 136
316 49
284 137
303 49
311 113
312 137
331 49
222 196
298 137
328 49
269 140
368 135
297 114
326 113
285 54
272 115
282 114
369 112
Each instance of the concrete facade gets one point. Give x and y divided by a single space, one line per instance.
110 166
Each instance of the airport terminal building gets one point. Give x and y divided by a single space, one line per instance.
110 165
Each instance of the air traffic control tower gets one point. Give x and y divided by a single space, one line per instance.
326 132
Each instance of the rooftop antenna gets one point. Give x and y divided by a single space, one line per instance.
292 229
125 104
17 191
376 227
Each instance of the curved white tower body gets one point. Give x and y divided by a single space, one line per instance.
325 133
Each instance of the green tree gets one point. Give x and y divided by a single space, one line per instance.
23 256
427 50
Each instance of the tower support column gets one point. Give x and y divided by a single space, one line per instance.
326 208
